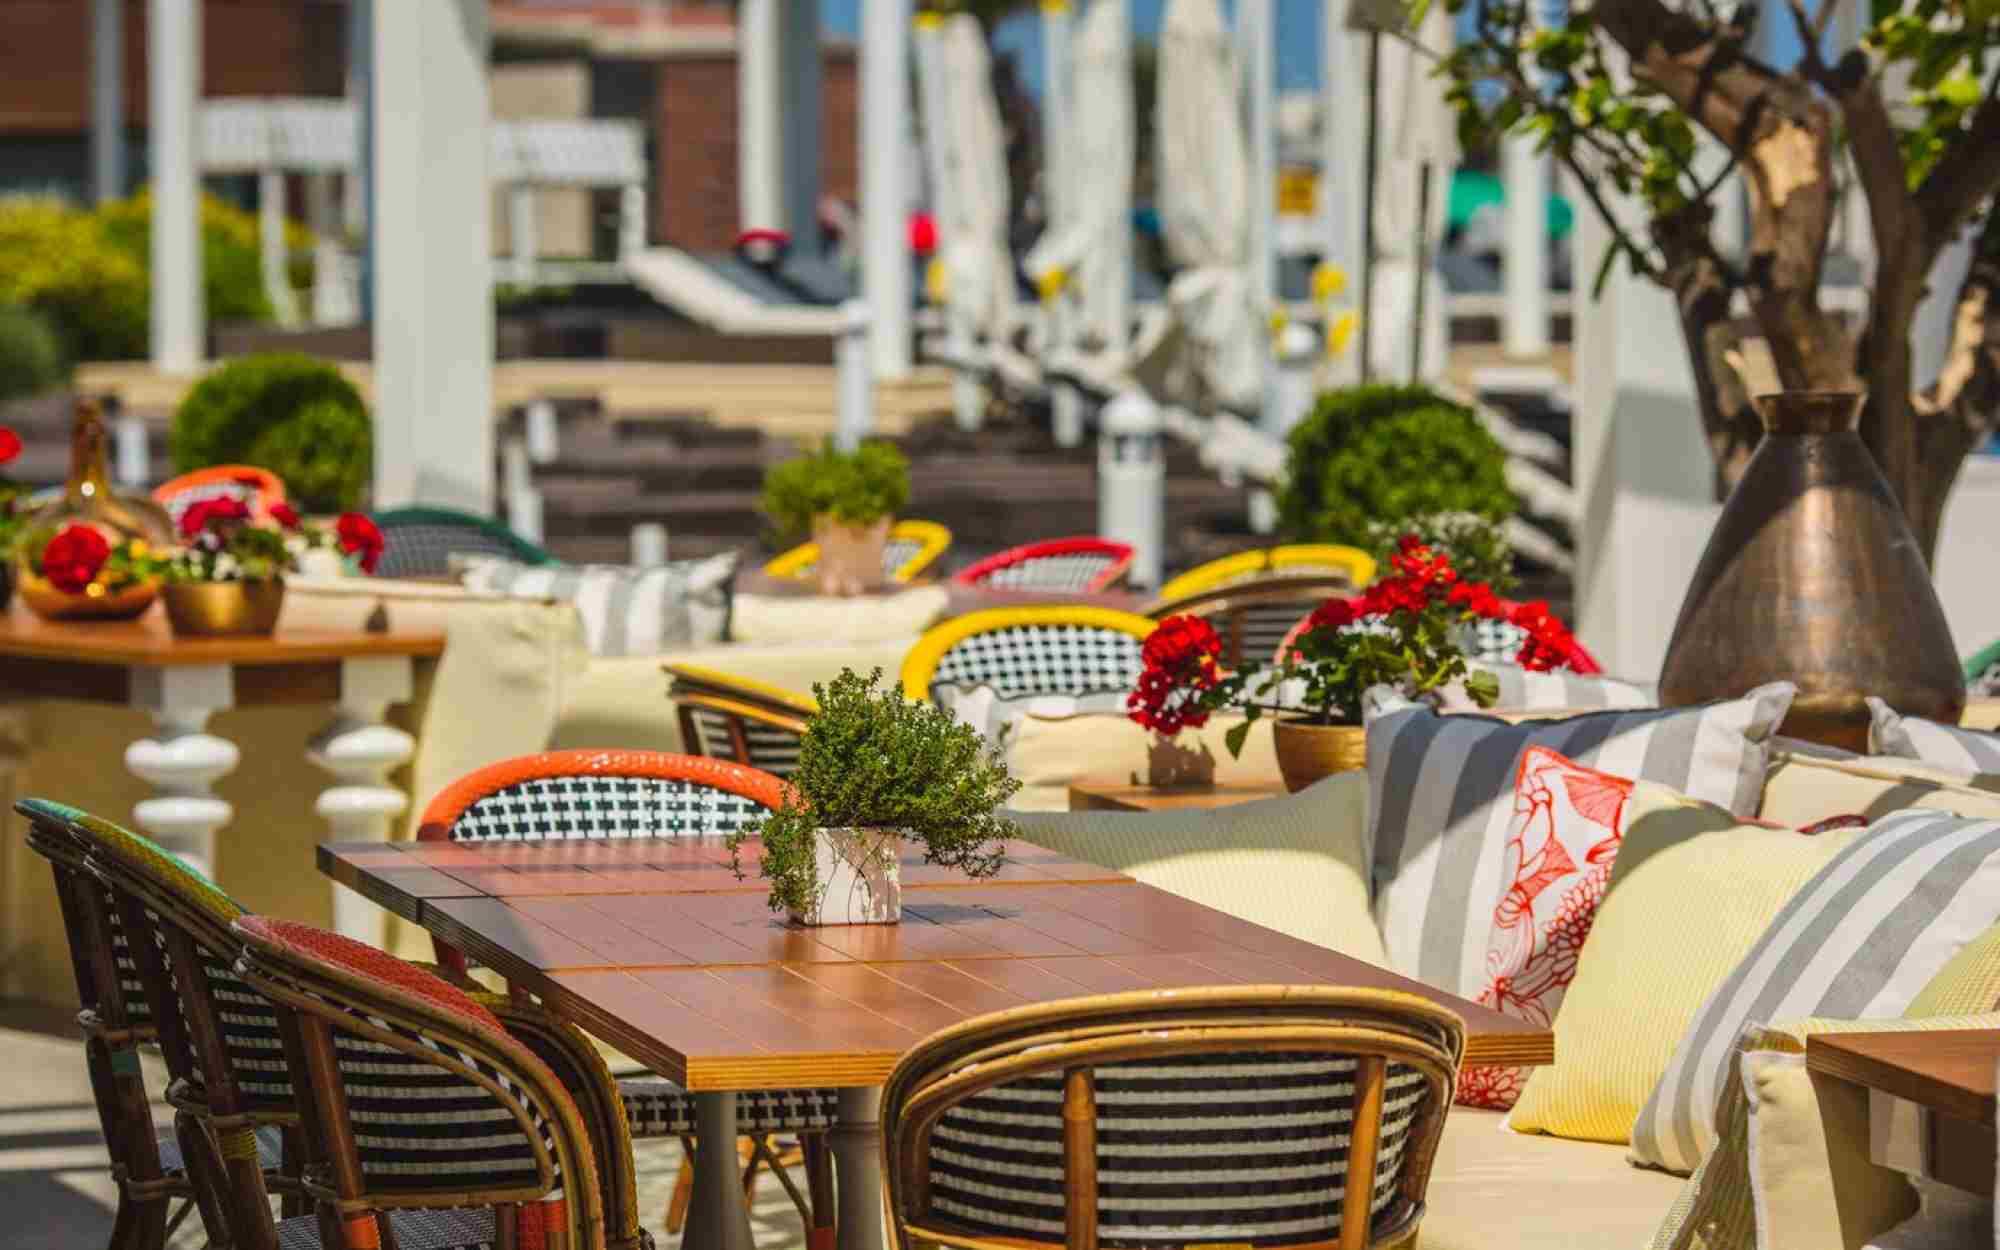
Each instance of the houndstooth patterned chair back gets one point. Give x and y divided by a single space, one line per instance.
420 542
1062 565
1030 651
601 796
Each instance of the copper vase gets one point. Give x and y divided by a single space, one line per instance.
1812 576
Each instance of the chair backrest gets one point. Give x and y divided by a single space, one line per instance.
420 542
1982 671
1051 649
415 1095
1291 560
727 717
1255 1115
1080 565
913 546
1254 615
600 796
1493 642
259 488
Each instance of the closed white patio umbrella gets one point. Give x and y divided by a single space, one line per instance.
1417 132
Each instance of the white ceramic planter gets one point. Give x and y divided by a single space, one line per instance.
860 881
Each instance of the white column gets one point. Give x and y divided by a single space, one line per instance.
271 247
524 502
885 194
1343 125
856 1140
433 284
760 120
107 100
800 74
523 231
173 73
182 761
332 303
855 416
360 212
360 751
1525 268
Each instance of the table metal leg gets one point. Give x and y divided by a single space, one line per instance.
182 761
360 751
718 1218
857 1158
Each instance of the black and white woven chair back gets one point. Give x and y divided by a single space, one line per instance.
421 542
1032 659
773 748
1053 573
604 808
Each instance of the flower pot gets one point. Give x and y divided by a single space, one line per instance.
1308 752
49 603
1812 576
860 878
850 556
1171 763
220 609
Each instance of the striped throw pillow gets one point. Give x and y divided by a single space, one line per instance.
1524 690
1941 746
625 610
1441 797
1858 941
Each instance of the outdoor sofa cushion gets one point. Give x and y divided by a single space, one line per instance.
626 610
1441 796
1944 746
1687 897
1857 942
776 620
1294 864
1801 790
1047 754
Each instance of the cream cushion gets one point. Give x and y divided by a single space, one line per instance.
1650 964
1047 754
1801 790
1495 1190
807 619
1296 864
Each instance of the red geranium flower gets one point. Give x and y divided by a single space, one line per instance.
1335 613
206 513
359 537
284 515
73 558
1478 599
1180 658
10 444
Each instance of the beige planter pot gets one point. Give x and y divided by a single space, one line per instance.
1307 752
860 878
850 556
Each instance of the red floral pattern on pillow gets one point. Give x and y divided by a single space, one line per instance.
1567 825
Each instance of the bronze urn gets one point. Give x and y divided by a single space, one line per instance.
1813 576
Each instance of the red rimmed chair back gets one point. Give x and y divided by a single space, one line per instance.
418 1105
256 488
116 1018
1082 565
1285 1116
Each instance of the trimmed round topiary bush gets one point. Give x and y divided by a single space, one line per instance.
31 355
1384 453
291 414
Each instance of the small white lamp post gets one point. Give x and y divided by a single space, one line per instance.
1132 481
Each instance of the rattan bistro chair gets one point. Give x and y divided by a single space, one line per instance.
1071 565
1021 652
727 717
913 546
1274 1116
619 796
420 541
257 488
1291 560
429 1126
1253 616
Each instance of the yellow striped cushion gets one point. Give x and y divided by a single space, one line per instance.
1969 982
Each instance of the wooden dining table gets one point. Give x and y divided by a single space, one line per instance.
659 949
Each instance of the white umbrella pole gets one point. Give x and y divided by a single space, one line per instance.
934 102
885 201
1058 207
1343 132
173 71
1368 205
107 100
1256 32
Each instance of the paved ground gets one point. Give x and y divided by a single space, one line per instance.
55 1184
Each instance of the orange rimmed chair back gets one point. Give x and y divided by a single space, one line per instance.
256 488
592 795
1282 1116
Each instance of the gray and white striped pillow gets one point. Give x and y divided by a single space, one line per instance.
1522 690
1441 792
1857 942
625 610
1940 746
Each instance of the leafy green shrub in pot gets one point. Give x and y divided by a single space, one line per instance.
291 414
858 487
31 355
1373 453
876 771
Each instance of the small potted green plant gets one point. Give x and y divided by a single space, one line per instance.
876 772
846 501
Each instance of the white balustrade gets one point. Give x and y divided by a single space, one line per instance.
182 760
361 751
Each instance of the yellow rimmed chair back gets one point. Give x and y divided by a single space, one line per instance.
1290 560
724 716
1253 616
1281 1116
1022 652
913 547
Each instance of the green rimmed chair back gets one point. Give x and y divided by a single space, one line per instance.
1982 671
420 542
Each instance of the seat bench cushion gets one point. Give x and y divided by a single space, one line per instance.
1496 1190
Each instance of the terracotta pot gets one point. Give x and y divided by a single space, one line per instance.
45 601
850 556
1171 764
860 877
1308 752
223 609
1812 576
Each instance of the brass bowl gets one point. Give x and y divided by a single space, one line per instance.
223 609
51 604
1307 752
